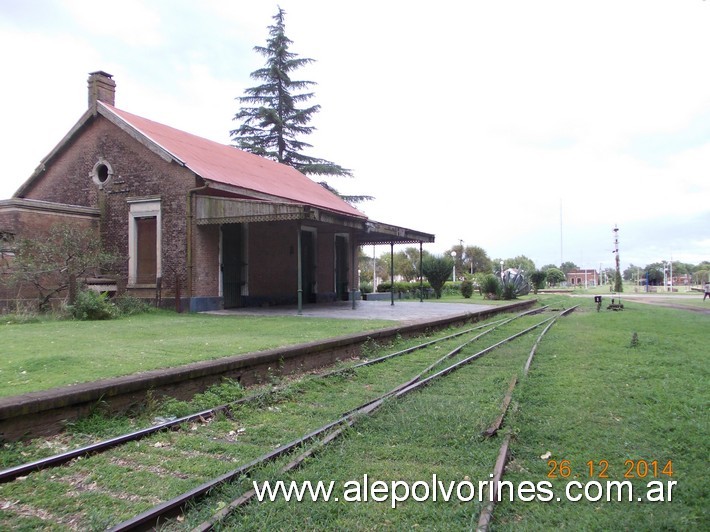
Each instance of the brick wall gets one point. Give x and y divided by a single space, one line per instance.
273 259
26 219
206 258
136 172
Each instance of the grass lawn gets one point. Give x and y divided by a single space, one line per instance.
47 354
635 411
615 409
599 404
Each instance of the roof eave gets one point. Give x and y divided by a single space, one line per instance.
99 109
380 233
217 185
137 134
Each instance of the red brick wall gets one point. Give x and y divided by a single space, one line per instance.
206 258
137 172
140 173
30 222
273 259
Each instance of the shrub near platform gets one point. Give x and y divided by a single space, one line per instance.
90 305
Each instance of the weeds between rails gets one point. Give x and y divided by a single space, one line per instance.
12 473
329 432
185 456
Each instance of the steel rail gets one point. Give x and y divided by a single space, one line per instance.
12 473
153 517
494 324
486 514
368 408
534 347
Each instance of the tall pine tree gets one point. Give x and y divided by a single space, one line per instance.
271 121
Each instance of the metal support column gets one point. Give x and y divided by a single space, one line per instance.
421 274
300 274
354 275
392 272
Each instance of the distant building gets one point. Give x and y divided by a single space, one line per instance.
583 278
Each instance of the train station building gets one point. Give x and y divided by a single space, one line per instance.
205 224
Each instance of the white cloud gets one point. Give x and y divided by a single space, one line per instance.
469 120
131 22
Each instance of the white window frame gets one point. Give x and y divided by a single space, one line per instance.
143 208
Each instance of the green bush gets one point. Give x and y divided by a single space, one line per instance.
490 286
399 287
514 285
90 305
437 269
226 392
537 278
508 291
466 289
366 288
451 288
384 287
130 306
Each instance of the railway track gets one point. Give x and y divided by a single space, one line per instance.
430 366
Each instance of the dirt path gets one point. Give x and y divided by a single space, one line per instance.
668 304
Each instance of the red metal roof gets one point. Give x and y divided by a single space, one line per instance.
231 166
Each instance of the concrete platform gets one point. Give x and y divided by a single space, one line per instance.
402 311
45 412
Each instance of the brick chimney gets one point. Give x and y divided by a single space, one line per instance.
101 88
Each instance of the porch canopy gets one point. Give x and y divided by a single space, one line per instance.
221 210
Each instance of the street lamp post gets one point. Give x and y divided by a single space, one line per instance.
665 280
501 270
453 275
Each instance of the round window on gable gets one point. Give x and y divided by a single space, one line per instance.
102 172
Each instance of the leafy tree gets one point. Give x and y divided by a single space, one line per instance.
554 276
701 276
568 266
366 263
470 259
50 265
437 269
630 273
701 272
607 276
654 273
520 263
477 260
458 259
537 278
618 282
406 263
272 119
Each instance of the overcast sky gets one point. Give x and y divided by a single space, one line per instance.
524 127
